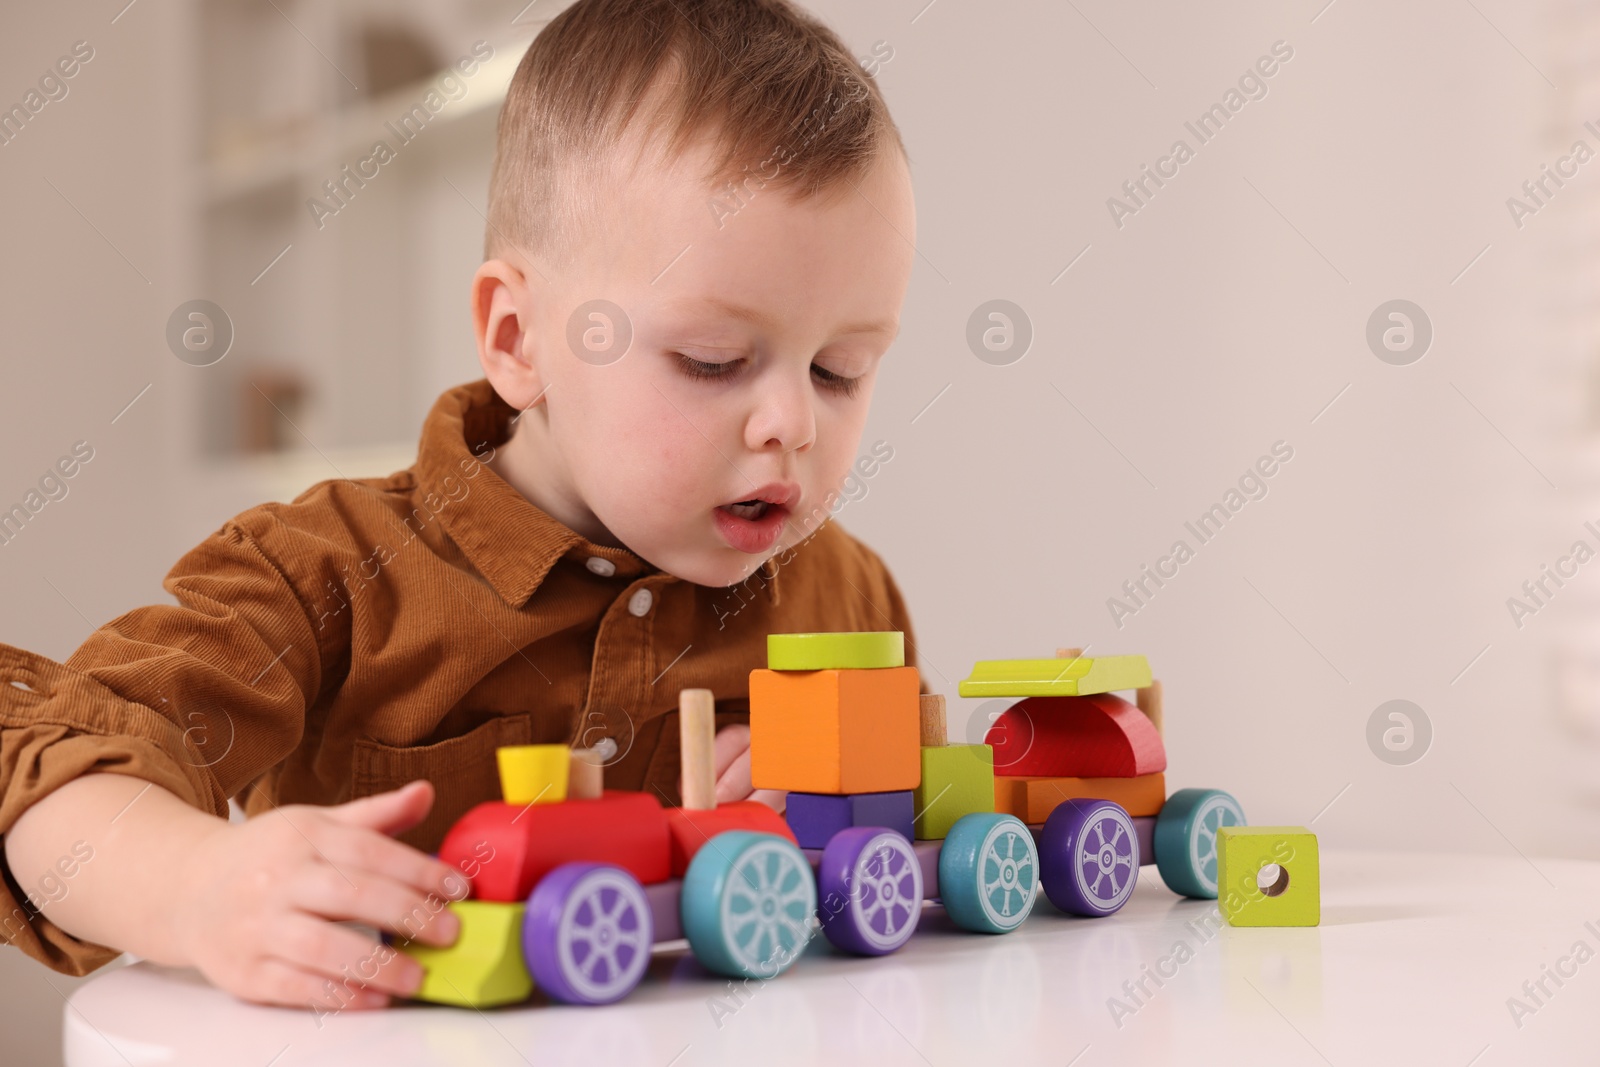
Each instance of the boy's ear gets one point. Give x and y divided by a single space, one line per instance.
500 295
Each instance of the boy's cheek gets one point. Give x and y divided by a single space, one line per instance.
674 446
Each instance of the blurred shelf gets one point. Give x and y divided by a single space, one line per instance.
282 476
312 149
368 319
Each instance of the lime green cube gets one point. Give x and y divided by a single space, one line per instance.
1269 876
484 967
956 780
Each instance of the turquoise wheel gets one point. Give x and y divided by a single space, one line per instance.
988 872
749 904
1186 839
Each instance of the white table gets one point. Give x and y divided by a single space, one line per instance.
1413 963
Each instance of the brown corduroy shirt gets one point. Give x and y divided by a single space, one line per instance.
380 630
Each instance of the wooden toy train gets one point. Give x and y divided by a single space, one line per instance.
572 885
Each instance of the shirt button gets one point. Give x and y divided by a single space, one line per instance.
603 567
639 603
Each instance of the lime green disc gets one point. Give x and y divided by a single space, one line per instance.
1062 677
824 652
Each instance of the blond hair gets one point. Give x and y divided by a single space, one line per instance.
781 98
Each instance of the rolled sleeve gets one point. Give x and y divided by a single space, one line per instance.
199 698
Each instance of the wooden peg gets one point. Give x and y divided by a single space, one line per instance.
934 732
586 776
1069 653
696 734
1149 700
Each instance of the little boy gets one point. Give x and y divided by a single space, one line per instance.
699 238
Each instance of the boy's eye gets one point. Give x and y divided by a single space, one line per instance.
699 368
838 383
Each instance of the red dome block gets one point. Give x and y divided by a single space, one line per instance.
692 829
505 849
1099 736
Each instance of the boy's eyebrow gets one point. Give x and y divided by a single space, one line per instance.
757 317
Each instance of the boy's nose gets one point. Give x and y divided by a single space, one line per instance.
783 418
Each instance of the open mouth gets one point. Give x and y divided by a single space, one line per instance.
754 525
747 509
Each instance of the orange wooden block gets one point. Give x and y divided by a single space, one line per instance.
691 828
1033 799
841 731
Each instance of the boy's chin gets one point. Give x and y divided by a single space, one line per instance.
716 569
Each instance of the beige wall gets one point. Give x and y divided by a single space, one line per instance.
82 336
1220 319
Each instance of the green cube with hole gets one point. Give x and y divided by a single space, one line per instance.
1268 876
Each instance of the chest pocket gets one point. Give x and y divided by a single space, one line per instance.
462 769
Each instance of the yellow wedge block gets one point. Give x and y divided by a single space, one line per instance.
484 967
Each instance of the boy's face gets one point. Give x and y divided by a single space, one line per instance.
756 335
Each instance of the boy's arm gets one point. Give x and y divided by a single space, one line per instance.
115 890
162 694
115 769
245 904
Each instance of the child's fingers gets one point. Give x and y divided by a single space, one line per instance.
345 957
278 982
730 741
734 783
776 799
353 850
377 901
393 812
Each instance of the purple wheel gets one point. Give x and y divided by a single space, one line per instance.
1088 857
869 890
587 933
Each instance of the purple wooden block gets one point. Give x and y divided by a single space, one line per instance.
816 817
1144 828
894 810
928 859
663 898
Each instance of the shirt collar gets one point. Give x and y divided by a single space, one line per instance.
509 540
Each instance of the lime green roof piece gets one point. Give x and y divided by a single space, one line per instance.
1061 677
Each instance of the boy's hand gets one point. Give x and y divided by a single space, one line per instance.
255 905
732 750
